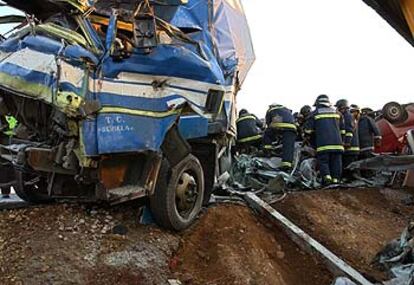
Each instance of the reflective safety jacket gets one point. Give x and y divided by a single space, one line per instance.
280 118
248 128
368 131
12 124
351 136
349 126
354 148
326 124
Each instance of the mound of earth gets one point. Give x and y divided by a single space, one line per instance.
355 224
75 244
229 245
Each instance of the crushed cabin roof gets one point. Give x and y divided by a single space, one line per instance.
391 11
223 24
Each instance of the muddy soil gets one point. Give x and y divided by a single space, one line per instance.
355 224
74 244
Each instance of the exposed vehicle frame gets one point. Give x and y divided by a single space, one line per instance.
120 100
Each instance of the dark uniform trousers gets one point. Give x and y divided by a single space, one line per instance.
281 125
330 164
288 139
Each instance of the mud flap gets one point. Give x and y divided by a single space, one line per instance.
175 147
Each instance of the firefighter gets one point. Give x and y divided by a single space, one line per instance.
300 120
325 124
281 125
369 134
349 132
352 151
249 131
306 112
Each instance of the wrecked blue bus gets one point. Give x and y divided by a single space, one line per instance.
121 100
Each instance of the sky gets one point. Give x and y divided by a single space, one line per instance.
341 48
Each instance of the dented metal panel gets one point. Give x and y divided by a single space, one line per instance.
91 81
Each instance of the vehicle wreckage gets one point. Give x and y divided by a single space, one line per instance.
119 100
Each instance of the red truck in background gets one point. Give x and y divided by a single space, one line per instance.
395 121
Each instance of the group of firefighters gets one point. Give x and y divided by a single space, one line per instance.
340 135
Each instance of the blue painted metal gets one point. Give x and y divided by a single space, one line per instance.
127 133
168 60
138 103
192 127
28 75
221 57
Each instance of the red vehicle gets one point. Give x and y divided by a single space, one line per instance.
395 121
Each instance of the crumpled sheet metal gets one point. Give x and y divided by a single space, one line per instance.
397 258
260 172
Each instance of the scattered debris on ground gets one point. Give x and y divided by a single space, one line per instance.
396 259
355 224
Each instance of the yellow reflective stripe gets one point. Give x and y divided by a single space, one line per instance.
283 126
139 112
327 116
249 139
275 108
268 146
354 148
349 134
334 180
309 131
286 163
245 118
328 177
343 132
330 147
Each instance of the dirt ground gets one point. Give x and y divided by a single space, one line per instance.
230 246
74 244
355 224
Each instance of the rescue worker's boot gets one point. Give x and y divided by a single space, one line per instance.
327 180
286 167
336 181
